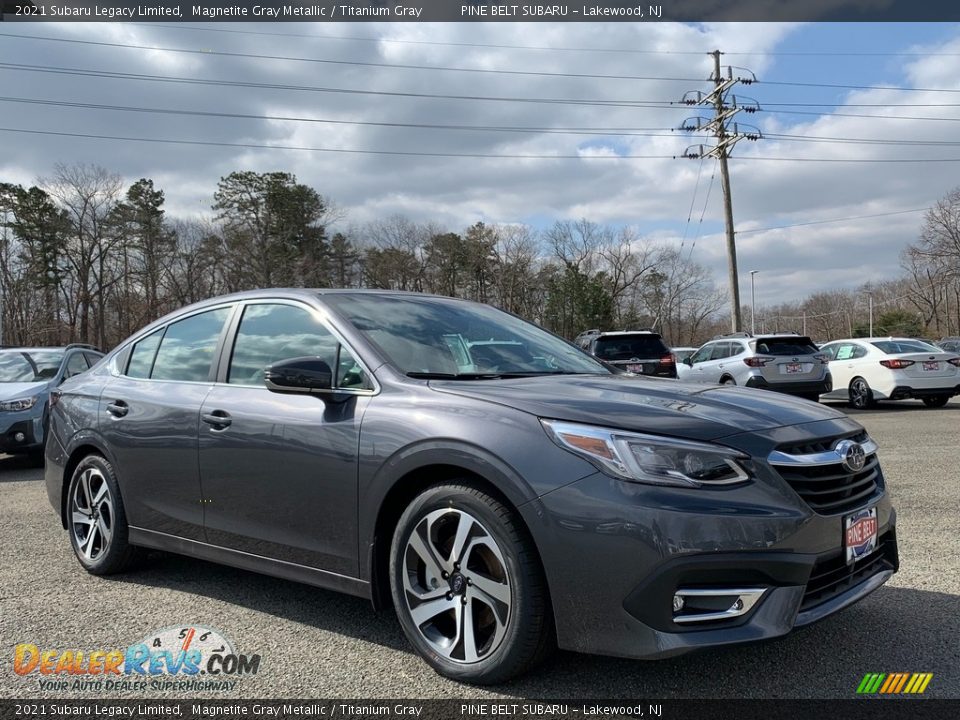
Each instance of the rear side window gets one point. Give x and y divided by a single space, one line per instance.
186 351
720 351
141 358
786 346
626 347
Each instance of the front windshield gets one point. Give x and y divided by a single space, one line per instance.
451 338
29 365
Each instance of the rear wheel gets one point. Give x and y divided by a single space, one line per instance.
96 519
861 396
728 381
936 401
468 586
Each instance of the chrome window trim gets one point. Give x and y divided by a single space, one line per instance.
323 317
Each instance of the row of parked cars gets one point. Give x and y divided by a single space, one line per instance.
858 370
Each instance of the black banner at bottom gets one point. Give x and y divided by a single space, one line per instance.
854 709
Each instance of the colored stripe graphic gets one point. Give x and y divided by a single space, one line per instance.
894 683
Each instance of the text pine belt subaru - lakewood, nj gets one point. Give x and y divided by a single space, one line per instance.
502 489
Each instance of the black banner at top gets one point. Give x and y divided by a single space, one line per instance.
489 11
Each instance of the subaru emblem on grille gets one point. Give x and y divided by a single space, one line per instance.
852 455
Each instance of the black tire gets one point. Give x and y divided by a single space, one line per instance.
936 401
860 394
728 381
105 555
528 629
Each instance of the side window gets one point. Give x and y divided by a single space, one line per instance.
186 351
720 351
141 357
735 349
830 351
92 359
76 364
859 352
701 354
269 333
845 352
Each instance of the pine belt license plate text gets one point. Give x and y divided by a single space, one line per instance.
860 534
793 367
931 365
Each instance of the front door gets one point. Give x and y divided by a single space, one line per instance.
279 471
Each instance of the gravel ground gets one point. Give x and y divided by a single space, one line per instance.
320 644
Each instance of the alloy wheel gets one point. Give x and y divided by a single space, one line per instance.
92 514
859 394
456 585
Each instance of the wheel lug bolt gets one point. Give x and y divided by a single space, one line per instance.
464 600
444 575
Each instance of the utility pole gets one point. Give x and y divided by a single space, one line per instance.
727 135
753 303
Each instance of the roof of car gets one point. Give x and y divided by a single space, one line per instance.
628 332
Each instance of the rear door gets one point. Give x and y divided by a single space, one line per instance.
846 359
150 418
279 471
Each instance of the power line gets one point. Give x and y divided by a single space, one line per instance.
861 115
55 70
696 186
404 41
630 51
858 141
356 63
832 220
703 212
842 86
406 153
636 132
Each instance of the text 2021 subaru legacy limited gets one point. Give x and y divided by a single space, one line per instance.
503 502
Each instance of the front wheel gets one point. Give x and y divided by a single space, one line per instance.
936 401
96 519
468 586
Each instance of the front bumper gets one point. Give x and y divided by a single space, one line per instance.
613 574
20 432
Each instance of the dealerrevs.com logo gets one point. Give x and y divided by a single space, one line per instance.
190 658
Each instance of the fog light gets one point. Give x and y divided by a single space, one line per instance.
19 437
678 603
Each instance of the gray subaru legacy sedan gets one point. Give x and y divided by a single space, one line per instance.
502 490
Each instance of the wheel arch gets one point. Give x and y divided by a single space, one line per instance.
399 495
81 448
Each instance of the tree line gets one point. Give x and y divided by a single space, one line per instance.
85 259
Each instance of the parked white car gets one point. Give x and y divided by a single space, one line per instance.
865 370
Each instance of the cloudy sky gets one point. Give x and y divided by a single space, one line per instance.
598 155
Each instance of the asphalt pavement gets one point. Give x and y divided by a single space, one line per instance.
315 643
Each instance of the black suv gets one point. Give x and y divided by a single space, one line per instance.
637 351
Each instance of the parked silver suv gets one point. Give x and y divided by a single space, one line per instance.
788 363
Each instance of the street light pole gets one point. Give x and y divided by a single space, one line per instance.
753 303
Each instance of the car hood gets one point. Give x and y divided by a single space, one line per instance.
15 390
664 407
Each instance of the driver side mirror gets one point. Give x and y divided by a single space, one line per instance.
688 361
299 375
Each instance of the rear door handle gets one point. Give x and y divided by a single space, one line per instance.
218 419
118 408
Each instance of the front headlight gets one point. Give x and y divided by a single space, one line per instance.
650 458
18 404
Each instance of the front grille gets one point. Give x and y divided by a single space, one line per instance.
831 489
833 576
809 447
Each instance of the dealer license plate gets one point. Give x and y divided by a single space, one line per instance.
860 534
635 368
931 365
794 367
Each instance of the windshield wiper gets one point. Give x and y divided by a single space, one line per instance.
453 376
490 376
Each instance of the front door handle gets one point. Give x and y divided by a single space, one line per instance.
118 408
218 419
